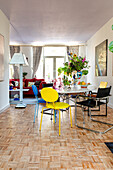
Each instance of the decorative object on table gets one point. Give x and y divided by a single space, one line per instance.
83 84
24 75
101 59
60 84
1 57
54 83
76 67
20 59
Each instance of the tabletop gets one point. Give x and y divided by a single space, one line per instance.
73 90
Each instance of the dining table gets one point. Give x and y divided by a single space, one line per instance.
76 91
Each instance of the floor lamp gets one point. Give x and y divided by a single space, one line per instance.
20 59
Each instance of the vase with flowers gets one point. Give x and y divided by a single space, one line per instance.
75 66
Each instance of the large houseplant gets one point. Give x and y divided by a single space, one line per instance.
75 64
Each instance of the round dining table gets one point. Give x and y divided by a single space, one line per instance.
76 91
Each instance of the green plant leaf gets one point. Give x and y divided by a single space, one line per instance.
111 46
84 72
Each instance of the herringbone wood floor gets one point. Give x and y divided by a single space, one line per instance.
22 146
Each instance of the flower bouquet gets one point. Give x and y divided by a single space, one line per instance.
74 65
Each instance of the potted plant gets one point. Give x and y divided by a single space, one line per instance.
75 64
24 74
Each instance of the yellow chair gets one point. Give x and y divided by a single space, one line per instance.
51 96
103 84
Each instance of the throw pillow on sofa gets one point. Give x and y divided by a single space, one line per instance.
13 82
30 84
16 83
37 83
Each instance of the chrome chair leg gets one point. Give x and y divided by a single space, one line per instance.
37 109
83 115
98 122
35 113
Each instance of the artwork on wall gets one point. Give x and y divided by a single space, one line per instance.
101 59
1 57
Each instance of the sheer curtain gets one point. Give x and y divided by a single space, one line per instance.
15 49
36 59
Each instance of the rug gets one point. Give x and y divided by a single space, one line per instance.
109 145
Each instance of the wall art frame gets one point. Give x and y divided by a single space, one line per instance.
101 55
1 57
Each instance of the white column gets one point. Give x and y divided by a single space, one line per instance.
21 83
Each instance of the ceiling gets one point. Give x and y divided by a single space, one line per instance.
67 22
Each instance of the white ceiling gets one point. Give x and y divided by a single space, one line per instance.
55 21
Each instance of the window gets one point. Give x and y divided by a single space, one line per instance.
54 57
51 59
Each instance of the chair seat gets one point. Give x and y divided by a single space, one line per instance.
41 101
73 96
92 95
90 103
58 105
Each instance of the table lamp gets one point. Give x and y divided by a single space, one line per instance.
20 59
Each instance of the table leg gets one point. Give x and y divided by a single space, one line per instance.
76 110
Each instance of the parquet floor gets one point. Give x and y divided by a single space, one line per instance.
22 146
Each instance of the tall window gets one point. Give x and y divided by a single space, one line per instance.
51 59
54 57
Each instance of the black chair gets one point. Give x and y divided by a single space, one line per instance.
47 85
91 102
94 94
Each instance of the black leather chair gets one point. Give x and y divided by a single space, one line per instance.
47 85
91 102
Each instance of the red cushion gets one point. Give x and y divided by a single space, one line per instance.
34 79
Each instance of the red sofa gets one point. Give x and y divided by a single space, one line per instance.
25 85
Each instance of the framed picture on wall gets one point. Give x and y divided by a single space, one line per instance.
1 57
101 53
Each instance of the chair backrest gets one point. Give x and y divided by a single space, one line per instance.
35 91
103 84
49 94
103 92
47 85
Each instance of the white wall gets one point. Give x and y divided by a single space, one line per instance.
28 51
104 33
82 51
4 85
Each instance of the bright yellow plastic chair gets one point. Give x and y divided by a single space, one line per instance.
51 96
103 84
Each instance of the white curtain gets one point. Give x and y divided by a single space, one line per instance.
15 49
36 59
